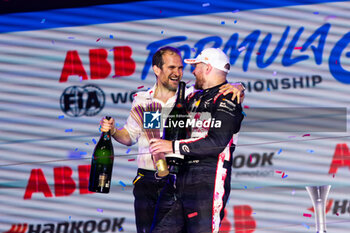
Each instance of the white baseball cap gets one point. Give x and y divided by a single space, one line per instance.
213 56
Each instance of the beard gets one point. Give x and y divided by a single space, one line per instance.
198 84
170 87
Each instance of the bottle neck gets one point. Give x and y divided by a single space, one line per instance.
180 99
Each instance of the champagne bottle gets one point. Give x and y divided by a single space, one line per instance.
102 164
175 128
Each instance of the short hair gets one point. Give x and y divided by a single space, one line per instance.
157 59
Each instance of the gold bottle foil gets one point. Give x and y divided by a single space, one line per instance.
162 168
102 180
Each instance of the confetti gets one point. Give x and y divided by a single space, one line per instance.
205 4
291 136
246 106
111 36
235 21
333 175
241 49
100 210
83 153
274 73
42 21
111 50
250 158
279 172
134 95
151 92
279 152
191 215
245 187
60 116
310 151
244 114
307 215
71 37
161 32
69 217
305 135
284 176
76 149
140 87
122 183
222 22
128 151
93 140
98 39
297 47
337 214
131 160
316 13
235 11
305 225
268 89
74 155
86 143
68 130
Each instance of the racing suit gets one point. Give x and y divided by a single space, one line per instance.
204 182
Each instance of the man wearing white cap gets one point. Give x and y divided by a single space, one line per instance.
203 184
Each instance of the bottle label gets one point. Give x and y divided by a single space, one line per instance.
102 180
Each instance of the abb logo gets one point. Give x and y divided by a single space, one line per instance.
341 158
64 184
243 220
100 67
18 228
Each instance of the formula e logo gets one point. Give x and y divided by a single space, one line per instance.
77 101
151 120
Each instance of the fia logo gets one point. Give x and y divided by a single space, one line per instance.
77 101
151 120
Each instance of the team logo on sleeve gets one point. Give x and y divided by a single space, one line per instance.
185 148
151 120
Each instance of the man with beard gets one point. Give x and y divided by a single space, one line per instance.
204 181
168 69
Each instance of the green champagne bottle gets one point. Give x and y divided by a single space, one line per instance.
102 164
175 128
